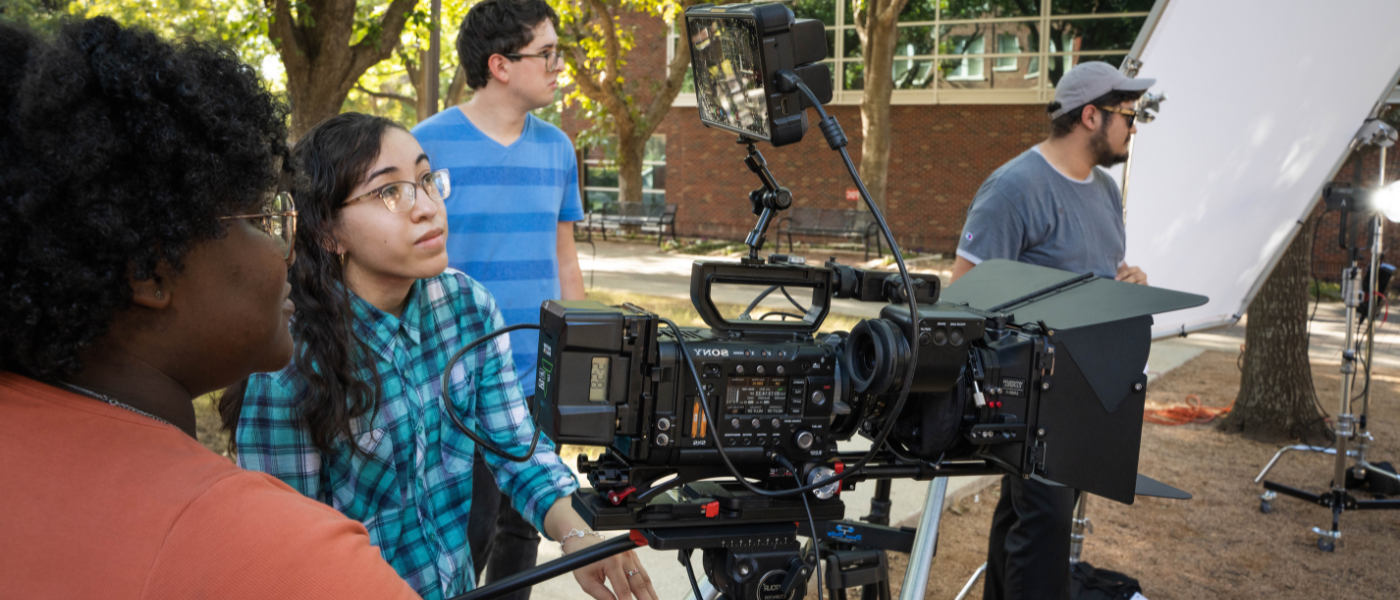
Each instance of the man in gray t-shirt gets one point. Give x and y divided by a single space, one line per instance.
1053 206
1031 212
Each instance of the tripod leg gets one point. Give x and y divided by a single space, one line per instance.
925 542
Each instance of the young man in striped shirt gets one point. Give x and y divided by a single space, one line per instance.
511 215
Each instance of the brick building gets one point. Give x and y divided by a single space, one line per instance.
1328 257
970 95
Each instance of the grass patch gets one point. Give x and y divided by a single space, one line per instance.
703 247
1329 292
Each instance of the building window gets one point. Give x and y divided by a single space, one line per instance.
966 69
600 176
980 52
1007 43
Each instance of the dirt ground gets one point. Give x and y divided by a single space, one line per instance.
1218 544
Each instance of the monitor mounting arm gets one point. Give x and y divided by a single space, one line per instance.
766 201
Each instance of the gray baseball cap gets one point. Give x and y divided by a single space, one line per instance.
1090 80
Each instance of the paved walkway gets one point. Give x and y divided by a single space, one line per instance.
641 269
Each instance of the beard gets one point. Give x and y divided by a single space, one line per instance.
1104 156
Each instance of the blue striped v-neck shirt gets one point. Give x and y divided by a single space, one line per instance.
503 215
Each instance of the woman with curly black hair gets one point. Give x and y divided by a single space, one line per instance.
144 247
358 420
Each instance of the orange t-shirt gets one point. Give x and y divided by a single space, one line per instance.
99 502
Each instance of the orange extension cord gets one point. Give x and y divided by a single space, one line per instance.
1193 412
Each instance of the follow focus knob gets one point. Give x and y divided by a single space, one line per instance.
804 440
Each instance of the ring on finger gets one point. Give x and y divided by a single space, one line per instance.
631 573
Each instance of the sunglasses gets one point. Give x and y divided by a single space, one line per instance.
1129 114
278 219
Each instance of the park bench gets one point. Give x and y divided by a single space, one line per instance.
642 215
832 222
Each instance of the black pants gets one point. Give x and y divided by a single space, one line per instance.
502 542
1028 550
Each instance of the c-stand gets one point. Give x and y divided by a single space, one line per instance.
1348 428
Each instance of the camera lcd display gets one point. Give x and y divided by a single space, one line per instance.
598 379
728 77
756 396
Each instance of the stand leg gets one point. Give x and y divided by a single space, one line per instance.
971 582
879 504
925 542
1081 527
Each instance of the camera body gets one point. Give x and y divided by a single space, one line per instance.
974 393
772 394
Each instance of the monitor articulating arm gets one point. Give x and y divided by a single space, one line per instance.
766 201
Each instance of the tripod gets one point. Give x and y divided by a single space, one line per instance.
1348 428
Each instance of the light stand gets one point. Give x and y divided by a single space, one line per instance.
1347 428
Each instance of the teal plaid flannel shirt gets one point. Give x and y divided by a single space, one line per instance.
412 485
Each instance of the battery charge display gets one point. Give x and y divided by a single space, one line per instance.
756 396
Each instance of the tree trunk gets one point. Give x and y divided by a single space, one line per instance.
876 26
456 91
1276 400
630 152
322 66
599 79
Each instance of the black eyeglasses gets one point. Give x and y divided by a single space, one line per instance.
278 219
551 58
399 196
1129 115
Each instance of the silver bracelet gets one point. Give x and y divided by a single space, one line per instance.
578 533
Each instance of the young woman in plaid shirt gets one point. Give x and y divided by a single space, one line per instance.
358 420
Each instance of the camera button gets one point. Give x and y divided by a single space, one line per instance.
734 423
663 424
818 398
739 369
662 439
804 439
777 422
956 337
781 370
755 423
